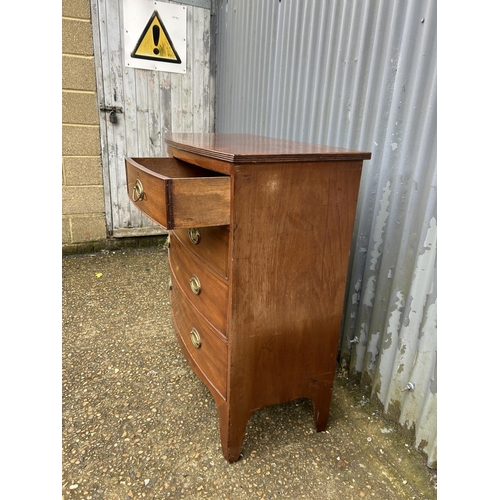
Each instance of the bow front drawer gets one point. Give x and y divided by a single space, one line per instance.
176 194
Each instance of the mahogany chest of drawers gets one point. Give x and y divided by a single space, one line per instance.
260 233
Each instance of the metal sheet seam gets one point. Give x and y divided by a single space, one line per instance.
358 75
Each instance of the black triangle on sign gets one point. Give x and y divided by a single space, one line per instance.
155 43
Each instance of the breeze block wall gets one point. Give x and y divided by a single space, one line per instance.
83 218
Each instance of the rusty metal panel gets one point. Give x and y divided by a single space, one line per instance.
362 75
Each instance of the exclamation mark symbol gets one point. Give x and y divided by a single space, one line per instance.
156 38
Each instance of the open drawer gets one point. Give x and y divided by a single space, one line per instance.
176 194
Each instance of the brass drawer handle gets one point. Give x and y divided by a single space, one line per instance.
138 191
195 284
194 235
195 338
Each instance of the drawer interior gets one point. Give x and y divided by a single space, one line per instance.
173 168
176 194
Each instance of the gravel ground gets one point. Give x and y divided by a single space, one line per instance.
137 423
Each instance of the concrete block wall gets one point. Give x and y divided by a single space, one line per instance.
83 219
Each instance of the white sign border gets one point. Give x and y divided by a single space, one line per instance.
136 15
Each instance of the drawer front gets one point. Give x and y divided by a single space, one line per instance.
207 292
210 244
204 347
148 191
176 194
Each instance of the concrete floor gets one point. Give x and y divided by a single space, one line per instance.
137 422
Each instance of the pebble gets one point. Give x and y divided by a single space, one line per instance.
148 428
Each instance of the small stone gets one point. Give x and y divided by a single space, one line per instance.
73 487
146 481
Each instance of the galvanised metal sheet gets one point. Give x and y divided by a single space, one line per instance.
357 74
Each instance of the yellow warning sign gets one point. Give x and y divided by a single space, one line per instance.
155 43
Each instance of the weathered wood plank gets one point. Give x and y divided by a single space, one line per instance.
154 103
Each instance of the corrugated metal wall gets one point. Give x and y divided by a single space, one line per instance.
357 74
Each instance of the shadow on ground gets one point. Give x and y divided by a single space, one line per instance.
137 422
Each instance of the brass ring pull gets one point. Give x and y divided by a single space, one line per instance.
194 235
195 284
138 191
195 338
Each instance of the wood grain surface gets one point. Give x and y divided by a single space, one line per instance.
212 301
272 272
211 358
213 247
178 194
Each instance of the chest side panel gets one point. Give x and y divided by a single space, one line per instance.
292 231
